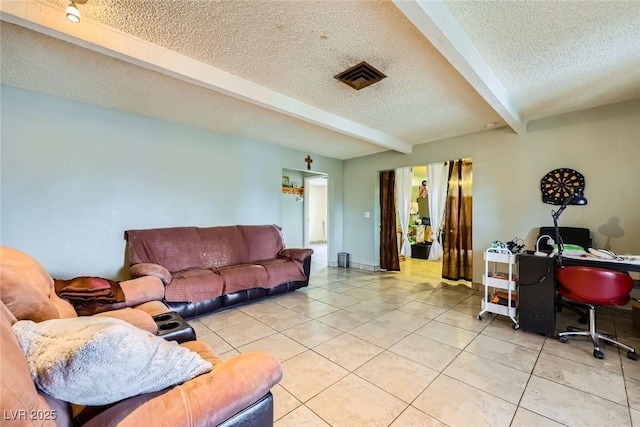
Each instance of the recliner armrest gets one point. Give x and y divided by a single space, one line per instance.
137 318
208 399
142 289
295 254
150 269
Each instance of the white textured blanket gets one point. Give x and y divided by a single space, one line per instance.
97 361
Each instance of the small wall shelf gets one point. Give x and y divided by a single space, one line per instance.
293 190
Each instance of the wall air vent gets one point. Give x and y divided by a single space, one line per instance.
360 76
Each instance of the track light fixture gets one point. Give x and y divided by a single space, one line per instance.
73 14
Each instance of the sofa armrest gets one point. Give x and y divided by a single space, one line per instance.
150 269
295 254
208 399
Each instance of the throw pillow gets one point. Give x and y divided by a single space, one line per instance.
98 361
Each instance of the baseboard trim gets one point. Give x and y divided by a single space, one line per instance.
365 267
376 268
355 266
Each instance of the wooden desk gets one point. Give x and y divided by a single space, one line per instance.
593 261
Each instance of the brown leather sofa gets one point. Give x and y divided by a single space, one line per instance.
235 393
205 269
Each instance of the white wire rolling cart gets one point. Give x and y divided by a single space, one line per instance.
499 275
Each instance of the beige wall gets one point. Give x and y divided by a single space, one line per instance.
75 176
67 196
293 212
603 144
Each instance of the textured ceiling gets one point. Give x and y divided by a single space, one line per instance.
557 57
263 70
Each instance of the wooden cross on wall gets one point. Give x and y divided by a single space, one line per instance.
309 160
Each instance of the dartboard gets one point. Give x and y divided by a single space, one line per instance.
559 184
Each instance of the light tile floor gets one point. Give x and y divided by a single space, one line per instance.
406 349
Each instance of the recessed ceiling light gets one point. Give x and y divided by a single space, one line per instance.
490 125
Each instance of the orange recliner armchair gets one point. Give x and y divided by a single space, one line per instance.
235 393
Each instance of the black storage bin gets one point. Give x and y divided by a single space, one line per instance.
420 250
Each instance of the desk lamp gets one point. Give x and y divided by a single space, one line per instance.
549 242
573 199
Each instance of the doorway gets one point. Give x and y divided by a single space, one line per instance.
420 210
316 218
304 213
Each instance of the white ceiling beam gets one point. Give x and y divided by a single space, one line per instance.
434 20
48 19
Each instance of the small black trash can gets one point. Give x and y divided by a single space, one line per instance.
420 250
343 259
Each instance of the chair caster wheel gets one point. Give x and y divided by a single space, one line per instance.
632 355
479 316
564 340
516 326
598 354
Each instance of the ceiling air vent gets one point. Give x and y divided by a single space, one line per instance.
359 76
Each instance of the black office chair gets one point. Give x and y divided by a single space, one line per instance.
572 236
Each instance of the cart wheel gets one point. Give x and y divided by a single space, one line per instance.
631 354
516 326
598 354
479 316
564 340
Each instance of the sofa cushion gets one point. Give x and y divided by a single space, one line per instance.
98 361
281 271
262 241
184 248
243 276
194 286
